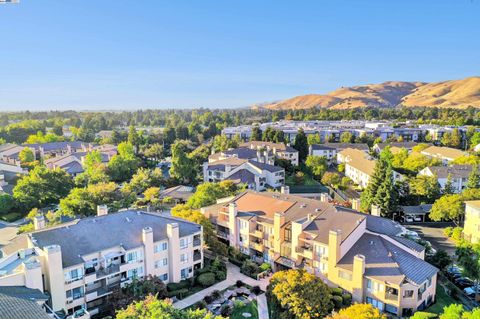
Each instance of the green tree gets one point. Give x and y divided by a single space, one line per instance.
474 140
6 203
145 178
302 295
331 179
208 193
426 188
223 143
447 207
313 139
473 179
122 166
347 137
317 165
468 160
154 151
133 137
41 187
448 188
153 308
26 156
95 171
256 134
183 168
441 259
301 145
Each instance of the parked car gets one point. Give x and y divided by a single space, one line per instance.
464 282
417 219
453 272
408 219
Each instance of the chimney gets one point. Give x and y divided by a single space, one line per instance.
324 197
334 253
39 222
356 204
375 210
102 210
357 277
285 189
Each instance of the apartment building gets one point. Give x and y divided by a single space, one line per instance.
363 254
80 263
329 152
377 148
445 154
73 163
471 228
459 175
279 150
259 155
256 175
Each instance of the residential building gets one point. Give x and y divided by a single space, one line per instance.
255 175
359 166
17 302
329 152
73 163
179 194
260 155
279 150
9 173
471 227
377 148
363 254
445 154
80 263
458 174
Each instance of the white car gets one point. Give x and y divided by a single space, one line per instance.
408 219
417 218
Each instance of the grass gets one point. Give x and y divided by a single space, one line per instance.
250 308
11 217
442 300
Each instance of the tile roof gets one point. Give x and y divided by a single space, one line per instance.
180 191
21 303
94 234
342 146
322 147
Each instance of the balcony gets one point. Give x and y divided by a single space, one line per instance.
257 233
391 293
257 246
197 256
114 268
306 252
197 241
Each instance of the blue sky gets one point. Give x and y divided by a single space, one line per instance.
111 54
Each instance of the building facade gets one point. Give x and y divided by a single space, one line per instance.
363 254
458 175
80 263
471 228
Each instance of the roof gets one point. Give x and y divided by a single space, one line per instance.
179 192
359 160
416 210
53 146
443 152
407 145
385 261
342 146
241 152
266 167
243 176
269 145
93 234
221 164
322 147
17 302
353 153
456 171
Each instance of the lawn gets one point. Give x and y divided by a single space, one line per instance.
251 308
442 300
11 217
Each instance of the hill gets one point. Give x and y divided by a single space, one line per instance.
448 94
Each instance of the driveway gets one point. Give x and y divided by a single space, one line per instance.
433 232
233 274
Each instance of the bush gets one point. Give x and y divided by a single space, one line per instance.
180 293
337 301
347 299
177 286
226 311
216 294
256 290
424 315
265 267
337 291
207 279
448 231
208 299
220 275
239 283
202 304
250 269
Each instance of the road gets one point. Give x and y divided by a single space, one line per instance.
433 232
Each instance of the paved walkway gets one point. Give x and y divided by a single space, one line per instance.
233 274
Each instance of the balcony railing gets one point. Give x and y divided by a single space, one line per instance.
390 296
197 242
197 256
257 246
257 233
114 268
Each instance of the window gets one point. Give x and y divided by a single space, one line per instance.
288 233
75 293
374 286
429 282
161 247
137 272
377 304
183 258
183 243
184 273
243 224
345 275
132 257
164 277
73 275
408 294
391 309
161 263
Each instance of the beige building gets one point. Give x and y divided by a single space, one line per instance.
279 150
80 263
364 254
445 154
471 228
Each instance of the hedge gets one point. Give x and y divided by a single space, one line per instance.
207 279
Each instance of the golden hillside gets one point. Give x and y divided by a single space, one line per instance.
456 94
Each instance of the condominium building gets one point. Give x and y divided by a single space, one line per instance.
363 254
80 263
279 150
445 154
458 175
471 228
256 175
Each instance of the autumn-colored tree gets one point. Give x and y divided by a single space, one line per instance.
359 311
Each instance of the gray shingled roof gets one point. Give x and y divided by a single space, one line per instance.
20 303
94 234
267 167
457 171
319 147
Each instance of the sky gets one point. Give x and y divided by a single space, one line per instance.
119 54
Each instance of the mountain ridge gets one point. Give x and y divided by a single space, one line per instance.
458 94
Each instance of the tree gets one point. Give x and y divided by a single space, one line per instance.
468 258
256 134
183 167
302 295
223 143
133 137
317 165
145 178
122 166
193 215
301 145
26 156
331 179
467 159
41 187
426 188
153 308
84 201
313 139
359 311
473 179
154 151
208 193
6 203
448 188
440 259
347 137
447 207
452 139
95 171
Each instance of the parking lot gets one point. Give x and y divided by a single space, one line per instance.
433 232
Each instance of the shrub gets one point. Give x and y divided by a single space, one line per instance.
208 299
239 283
337 301
347 299
207 279
225 311
216 294
424 315
265 267
202 304
337 291
177 286
256 290
250 268
448 231
180 293
220 275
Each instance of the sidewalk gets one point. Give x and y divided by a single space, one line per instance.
233 274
